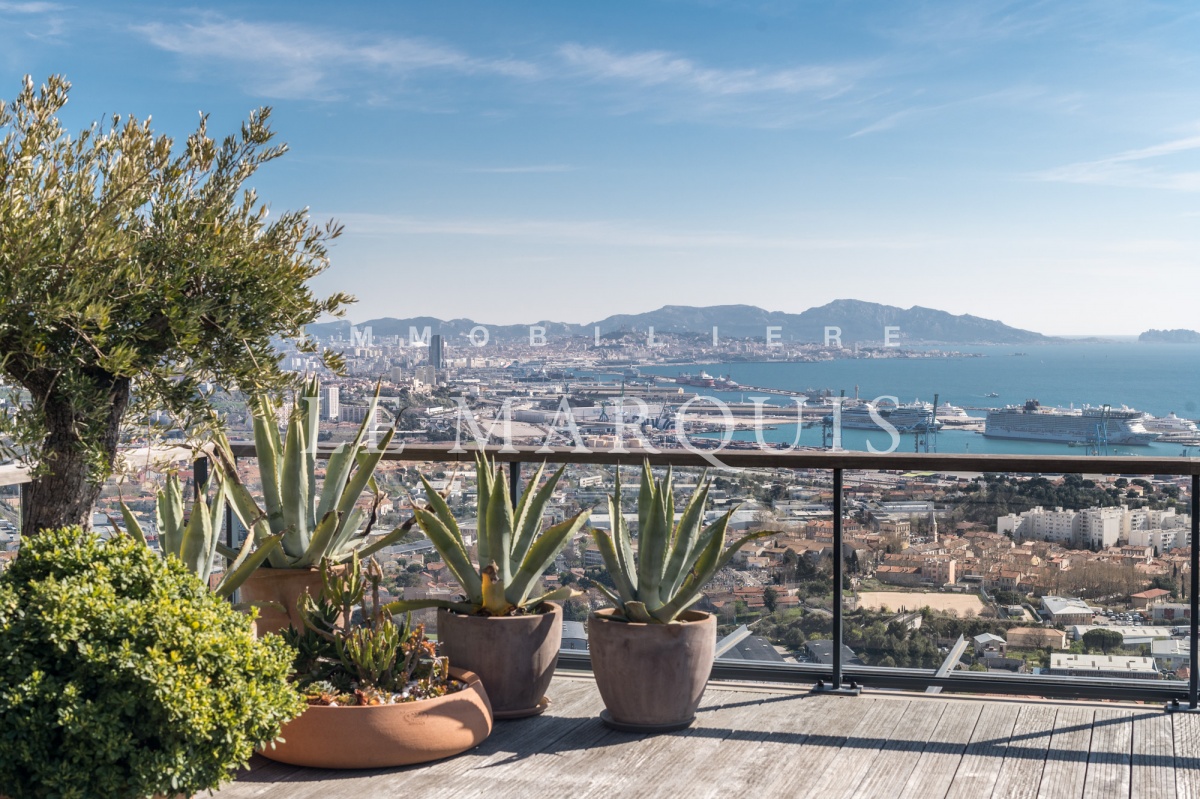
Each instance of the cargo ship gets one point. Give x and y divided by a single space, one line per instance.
1032 422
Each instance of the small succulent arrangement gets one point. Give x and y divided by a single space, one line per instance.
376 661
674 560
513 549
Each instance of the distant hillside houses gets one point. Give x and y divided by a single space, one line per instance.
1100 528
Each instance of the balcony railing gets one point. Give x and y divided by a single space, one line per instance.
839 677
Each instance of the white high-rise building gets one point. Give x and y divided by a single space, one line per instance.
333 407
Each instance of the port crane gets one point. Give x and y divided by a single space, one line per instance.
929 429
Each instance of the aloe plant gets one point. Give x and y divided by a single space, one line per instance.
512 554
196 540
314 526
674 561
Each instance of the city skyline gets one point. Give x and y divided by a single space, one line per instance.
1030 163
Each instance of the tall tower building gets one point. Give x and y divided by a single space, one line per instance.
436 353
333 405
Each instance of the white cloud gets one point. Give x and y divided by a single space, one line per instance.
519 170
659 68
30 8
1126 169
290 60
612 233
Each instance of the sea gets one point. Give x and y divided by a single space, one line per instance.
1152 377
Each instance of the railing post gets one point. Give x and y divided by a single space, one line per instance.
1193 605
838 509
1194 598
199 476
23 506
514 482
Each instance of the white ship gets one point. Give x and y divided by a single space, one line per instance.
949 413
1032 422
905 418
1169 424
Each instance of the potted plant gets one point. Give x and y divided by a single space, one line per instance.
498 631
315 526
122 675
196 539
651 655
378 694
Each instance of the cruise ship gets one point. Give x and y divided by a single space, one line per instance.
1032 422
905 418
1170 424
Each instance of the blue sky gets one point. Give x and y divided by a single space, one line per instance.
1037 163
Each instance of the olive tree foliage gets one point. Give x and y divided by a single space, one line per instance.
132 271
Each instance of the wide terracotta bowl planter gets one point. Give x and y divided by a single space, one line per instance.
515 656
383 736
652 676
284 586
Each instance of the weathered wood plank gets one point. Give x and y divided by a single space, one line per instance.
1187 753
894 763
794 736
1067 759
934 771
1153 768
980 766
1110 755
688 762
1025 756
757 743
853 761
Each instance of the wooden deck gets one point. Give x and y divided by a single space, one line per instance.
750 741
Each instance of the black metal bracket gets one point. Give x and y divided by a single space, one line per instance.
826 689
1175 706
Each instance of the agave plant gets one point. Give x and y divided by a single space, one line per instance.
674 561
196 541
512 554
315 526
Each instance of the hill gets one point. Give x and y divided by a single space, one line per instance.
859 322
1179 336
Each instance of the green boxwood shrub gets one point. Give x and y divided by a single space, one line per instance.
122 675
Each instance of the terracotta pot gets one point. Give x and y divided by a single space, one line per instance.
383 736
652 676
515 656
284 586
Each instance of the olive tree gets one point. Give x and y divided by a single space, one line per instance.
134 270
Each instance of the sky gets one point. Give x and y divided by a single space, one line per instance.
1032 162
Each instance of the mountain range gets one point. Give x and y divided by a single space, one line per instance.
859 321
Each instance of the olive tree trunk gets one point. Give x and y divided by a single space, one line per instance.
67 492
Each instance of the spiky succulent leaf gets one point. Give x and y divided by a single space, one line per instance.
687 533
653 540
689 592
485 478
131 523
452 552
543 552
499 529
528 519
268 447
249 558
442 510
